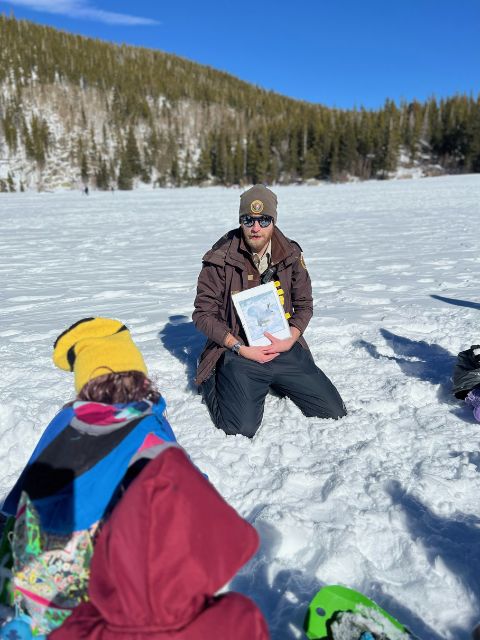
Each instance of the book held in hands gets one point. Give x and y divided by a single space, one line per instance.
260 310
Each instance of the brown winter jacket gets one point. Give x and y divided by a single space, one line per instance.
228 268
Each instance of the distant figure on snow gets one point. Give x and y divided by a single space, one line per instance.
234 377
85 191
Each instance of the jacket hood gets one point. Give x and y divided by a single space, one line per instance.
87 414
169 545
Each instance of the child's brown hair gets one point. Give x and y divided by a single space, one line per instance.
114 388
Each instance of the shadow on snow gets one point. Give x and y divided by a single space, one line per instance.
284 600
419 359
455 540
180 337
458 303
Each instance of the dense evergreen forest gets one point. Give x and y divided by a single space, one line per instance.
75 110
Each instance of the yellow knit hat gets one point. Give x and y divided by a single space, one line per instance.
93 347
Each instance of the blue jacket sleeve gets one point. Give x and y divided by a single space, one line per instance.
56 426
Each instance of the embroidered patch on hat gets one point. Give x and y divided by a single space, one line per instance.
256 206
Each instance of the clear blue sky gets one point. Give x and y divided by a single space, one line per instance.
342 53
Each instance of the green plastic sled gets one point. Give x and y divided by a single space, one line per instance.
334 599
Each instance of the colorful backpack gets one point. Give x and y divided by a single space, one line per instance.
6 562
50 572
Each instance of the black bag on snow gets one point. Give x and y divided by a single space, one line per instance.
466 374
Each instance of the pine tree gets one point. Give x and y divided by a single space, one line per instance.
347 149
39 139
204 164
186 179
27 142
10 183
102 176
332 164
239 159
220 156
125 178
175 173
475 133
310 165
252 161
10 129
412 128
84 170
389 139
132 154
366 144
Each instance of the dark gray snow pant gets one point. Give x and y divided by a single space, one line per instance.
235 393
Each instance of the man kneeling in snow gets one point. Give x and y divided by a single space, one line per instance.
234 377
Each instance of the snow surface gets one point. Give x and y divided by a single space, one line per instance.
385 500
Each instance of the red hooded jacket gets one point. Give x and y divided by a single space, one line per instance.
170 544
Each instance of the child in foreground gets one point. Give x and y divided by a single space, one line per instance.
107 449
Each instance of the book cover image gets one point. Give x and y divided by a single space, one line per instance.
260 311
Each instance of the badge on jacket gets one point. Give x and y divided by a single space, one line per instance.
302 261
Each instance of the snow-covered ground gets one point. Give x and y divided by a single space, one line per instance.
386 500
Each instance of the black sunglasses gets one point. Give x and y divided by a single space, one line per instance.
249 221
